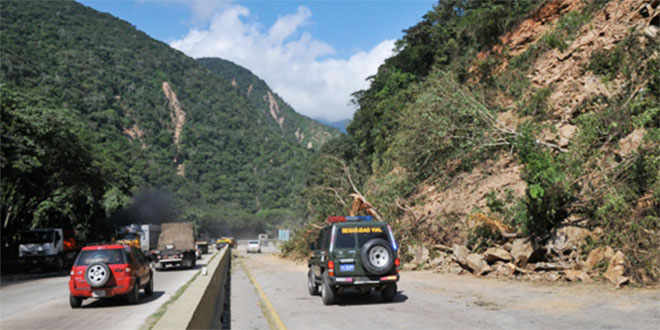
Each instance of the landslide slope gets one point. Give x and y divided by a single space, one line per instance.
536 119
275 111
163 120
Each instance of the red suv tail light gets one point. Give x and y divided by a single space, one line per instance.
331 268
397 263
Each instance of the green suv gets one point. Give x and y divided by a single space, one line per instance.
353 252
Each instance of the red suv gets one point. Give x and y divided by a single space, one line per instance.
104 271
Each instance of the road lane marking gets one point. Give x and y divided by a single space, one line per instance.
269 311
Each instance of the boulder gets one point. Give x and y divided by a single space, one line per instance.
455 268
494 254
551 276
408 266
438 261
631 143
521 251
617 269
566 132
420 254
651 31
577 275
548 266
502 269
477 264
596 256
569 237
460 253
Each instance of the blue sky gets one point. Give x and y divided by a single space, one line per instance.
314 54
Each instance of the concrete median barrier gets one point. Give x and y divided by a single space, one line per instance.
204 302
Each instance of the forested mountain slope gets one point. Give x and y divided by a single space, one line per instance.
275 111
86 95
537 120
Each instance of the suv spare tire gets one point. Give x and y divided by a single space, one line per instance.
97 275
377 256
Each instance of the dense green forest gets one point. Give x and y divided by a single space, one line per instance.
95 114
431 116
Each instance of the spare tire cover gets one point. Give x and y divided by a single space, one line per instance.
377 256
97 275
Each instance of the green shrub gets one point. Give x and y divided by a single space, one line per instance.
606 62
548 194
554 40
537 105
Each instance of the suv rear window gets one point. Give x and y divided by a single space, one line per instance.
111 256
352 237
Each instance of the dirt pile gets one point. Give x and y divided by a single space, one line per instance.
564 71
533 28
443 213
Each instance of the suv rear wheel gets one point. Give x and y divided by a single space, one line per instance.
328 294
312 287
149 289
377 256
75 302
134 295
389 292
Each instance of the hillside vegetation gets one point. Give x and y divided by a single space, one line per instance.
276 112
95 112
525 122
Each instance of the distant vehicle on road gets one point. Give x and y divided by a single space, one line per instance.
353 252
203 246
129 235
111 270
221 242
149 237
51 247
254 246
176 246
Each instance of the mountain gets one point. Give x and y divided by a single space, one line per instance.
492 120
276 113
145 118
340 125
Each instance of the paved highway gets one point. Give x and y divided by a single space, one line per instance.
44 304
267 291
428 300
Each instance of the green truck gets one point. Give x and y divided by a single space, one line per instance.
353 252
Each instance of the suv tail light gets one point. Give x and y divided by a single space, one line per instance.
397 263
331 268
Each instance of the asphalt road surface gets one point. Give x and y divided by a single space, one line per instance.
44 304
429 300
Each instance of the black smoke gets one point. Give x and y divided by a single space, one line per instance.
148 207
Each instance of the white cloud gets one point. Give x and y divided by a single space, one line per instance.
295 65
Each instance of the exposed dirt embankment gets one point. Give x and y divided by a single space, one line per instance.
469 190
134 133
274 109
564 71
177 114
178 117
445 217
534 27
